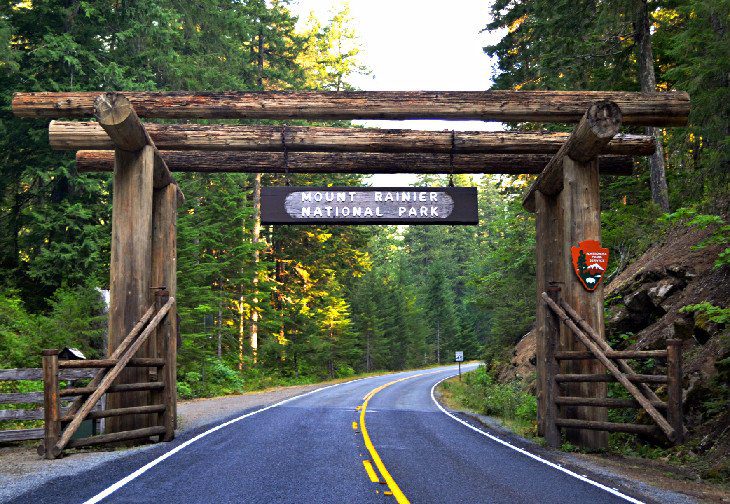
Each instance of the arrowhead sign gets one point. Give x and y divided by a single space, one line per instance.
590 262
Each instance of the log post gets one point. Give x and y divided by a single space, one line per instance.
551 336
130 271
51 404
674 388
164 279
549 250
581 220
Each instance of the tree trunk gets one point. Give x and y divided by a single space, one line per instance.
438 342
647 80
256 257
220 323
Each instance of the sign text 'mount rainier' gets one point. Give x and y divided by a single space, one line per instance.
369 205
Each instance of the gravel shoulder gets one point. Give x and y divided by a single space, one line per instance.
662 482
21 469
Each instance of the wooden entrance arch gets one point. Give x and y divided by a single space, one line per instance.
565 198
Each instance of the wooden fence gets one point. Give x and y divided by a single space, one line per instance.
60 426
637 385
31 398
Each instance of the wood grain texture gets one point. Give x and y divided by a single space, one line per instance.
580 206
347 162
118 120
646 109
81 135
675 415
599 124
51 403
37 374
164 278
20 435
130 269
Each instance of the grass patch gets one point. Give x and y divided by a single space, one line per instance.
479 392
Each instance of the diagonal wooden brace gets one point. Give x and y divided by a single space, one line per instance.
650 409
110 377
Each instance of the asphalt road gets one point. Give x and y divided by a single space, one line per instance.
313 448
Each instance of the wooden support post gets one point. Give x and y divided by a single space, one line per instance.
674 388
551 336
164 276
130 271
51 404
549 272
581 220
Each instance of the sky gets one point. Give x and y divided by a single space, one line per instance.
411 45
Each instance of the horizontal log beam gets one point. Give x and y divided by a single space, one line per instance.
608 426
21 398
116 437
108 363
613 354
37 374
605 402
21 414
595 130
20 435
79 135
346 162
645 109
634 378
155 408
124 387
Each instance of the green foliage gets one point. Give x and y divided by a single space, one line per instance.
720 233
711 312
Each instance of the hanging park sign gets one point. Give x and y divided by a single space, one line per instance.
369 205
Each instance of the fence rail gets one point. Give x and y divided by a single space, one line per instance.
618 370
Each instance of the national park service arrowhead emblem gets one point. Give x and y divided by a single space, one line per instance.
589 262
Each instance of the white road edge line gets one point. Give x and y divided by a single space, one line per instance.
525 452
119 484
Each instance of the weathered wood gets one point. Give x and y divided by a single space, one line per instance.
7 436
117 437
164 278
620 377
109 378
346 162
674 388
51 402
603 377
552 337
606 402
117 118
22 414
548 233
33 374
108 363
118 351
82 135
580 214
22 398
124 387
155 408
603 345
646 109
595 130
609 426
130 269
613 354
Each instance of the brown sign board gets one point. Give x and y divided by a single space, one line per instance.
369 205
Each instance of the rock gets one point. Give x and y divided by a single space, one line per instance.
639 302
683 328
663 289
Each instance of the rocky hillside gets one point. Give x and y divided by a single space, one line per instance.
644 310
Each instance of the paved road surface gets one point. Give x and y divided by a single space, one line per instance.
313 449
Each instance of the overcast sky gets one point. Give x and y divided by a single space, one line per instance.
413 45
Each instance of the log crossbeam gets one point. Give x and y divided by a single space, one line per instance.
81 135
644 109
597 127
346 162
118 119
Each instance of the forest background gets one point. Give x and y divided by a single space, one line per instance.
327 302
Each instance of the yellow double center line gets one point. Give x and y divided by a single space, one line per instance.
392 485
